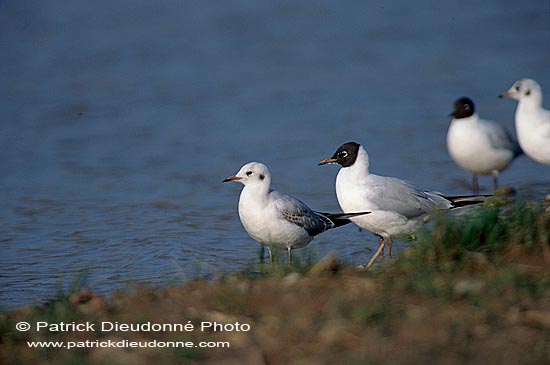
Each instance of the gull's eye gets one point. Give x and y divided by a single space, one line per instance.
517 87
248 173
528 92
344 154
466 107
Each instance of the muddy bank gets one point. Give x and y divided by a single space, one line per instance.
447 300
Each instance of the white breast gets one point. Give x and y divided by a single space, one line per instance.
533 132
470 146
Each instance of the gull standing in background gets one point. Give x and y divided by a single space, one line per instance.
397 207
275 219
532 120
479 146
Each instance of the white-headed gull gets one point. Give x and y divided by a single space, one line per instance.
532 120
276 219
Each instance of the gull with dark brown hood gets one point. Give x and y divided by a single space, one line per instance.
397 207
479 146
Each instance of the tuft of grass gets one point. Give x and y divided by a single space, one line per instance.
479 243
495 233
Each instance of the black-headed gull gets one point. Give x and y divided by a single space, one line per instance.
397 207
532 120
479 146
276 219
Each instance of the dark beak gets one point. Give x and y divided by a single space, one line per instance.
232 178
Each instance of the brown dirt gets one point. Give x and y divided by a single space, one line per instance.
317 318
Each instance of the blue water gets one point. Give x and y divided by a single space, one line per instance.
119 120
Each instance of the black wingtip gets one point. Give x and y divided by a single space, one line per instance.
341 219
465 200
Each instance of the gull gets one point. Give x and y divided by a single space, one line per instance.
477 145
276 219
397 207
532 120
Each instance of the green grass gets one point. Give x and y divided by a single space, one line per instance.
487 240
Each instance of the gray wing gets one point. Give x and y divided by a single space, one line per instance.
295 211
545 130
500 138
391 194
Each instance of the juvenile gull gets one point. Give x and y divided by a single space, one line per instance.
532 120
275 219
396 206
479 146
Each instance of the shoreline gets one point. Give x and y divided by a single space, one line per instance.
474 289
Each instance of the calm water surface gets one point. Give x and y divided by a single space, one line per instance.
119 121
